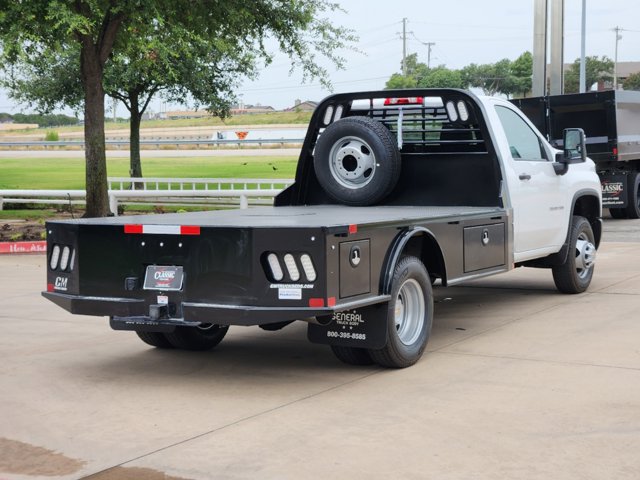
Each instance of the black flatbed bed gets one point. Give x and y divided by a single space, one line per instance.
295 217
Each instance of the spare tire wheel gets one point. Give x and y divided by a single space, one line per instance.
356 161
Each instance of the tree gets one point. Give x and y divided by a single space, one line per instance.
180 65
520 75
632 82
414 72
492 78
44 41
419 75
37 31
597 70
441 77
399 81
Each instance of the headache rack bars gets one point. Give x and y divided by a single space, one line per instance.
427 130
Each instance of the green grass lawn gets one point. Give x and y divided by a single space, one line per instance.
69 173
274 118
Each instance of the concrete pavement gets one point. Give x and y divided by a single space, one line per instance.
519 382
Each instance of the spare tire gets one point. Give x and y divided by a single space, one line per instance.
357 161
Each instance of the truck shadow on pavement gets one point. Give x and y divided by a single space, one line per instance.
249 352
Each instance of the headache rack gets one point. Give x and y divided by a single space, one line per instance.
422 124
446 150
428 130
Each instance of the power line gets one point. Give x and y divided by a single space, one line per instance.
380 27
428 45
312 85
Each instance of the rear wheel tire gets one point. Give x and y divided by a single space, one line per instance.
618 213
155 339
203 337
633 196
352 355
409 317
574 275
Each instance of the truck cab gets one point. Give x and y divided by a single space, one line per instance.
543 198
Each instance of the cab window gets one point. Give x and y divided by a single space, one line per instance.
523 141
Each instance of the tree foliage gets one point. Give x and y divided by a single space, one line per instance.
597 69
56 120
419 75
441 77
70 52
520 75
506 77
632 82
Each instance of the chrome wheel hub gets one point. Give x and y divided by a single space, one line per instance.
352 162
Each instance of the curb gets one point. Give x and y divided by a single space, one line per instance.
23 247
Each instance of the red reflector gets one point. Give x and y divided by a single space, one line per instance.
133 229
331 302
189 230
316 302
353 229
50 287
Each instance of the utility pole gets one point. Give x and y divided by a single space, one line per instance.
583 66
540 22
429 45
556 68
404 47
615 60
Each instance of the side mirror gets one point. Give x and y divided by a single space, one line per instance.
575 150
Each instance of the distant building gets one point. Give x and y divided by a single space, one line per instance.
175 114
300 106
625 69
242 109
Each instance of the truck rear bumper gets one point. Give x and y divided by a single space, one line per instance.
100 306
134 312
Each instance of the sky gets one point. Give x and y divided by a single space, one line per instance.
463 32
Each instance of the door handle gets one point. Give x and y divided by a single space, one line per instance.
524 176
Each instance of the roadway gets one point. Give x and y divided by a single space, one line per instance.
172 153
518 382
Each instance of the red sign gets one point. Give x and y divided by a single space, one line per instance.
23 247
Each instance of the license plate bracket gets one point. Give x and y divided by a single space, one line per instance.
165 278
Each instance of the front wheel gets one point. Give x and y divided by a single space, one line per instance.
574 275
409 317
203 337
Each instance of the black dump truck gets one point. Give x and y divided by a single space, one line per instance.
611 122
394 191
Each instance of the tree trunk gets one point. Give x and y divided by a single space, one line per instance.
95 155
135 166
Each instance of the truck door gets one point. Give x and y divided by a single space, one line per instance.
537 193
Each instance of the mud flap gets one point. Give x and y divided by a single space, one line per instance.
361 328
614 190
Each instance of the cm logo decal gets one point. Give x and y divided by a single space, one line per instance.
61 283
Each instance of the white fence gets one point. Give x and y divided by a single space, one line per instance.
163 191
